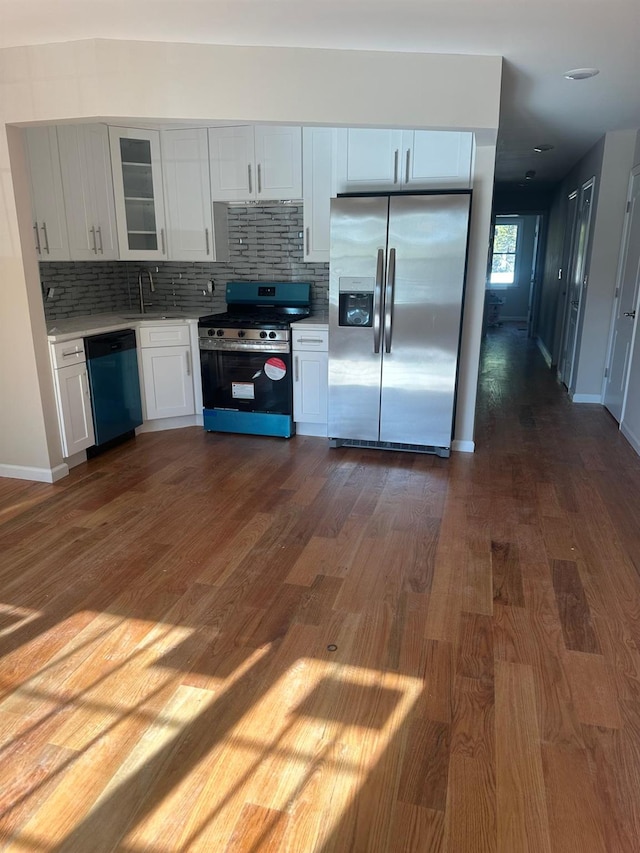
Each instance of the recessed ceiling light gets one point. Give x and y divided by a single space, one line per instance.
540 149
581 73
530 175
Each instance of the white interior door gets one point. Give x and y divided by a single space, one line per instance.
624 323
533 277
563 295
576 284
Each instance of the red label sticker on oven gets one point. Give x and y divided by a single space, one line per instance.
275 368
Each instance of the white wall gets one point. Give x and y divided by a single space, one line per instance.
117 80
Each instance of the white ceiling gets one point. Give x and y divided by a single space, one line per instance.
539 41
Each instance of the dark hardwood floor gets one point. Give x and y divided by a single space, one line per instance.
229 643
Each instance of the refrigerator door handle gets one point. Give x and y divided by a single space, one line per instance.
377 301
388 300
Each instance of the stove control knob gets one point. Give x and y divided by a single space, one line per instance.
220 333
263 334
211 332
272 334
241 333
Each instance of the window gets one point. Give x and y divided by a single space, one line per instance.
505 246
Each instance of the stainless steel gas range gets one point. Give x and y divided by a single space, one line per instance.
245 356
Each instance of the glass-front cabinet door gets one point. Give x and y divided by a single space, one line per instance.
137 183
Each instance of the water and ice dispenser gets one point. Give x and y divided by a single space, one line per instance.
355 302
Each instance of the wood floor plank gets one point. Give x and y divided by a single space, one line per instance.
425 768
523 822
507 576
416 829
593 690
575 819
470 817
577 625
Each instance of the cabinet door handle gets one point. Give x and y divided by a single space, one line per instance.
85 382
395 166
162 240
297 368
92 231
99 233
259 179
308 239
250 180
72 352
38 247
310 340
408 169
206 240
46 237
188 354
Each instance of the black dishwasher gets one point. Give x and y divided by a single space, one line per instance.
112 366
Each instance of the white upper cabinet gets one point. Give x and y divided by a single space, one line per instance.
47 200
232 163
318 153
437 158
137 185
253 163
196 228
371 160
87 184
278 162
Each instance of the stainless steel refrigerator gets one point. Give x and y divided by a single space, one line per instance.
397 273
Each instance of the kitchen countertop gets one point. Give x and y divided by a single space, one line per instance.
96 324
316 322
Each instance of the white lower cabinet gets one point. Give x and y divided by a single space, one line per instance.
310 381
73 400
167 371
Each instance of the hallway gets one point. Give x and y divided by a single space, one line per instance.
230 643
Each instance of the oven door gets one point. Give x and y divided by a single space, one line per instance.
246 377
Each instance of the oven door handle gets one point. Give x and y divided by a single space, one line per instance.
212 345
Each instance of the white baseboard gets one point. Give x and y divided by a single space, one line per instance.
170 423
586 398
545 352
77 458
40 475
319 430
631 437
463 446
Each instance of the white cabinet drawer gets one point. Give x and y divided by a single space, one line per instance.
164 336
310 341
68 352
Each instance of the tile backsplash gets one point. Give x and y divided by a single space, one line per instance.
265 244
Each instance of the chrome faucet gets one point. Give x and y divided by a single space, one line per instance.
152 289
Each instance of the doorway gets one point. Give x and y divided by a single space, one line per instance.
576 248
512 279
626 305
